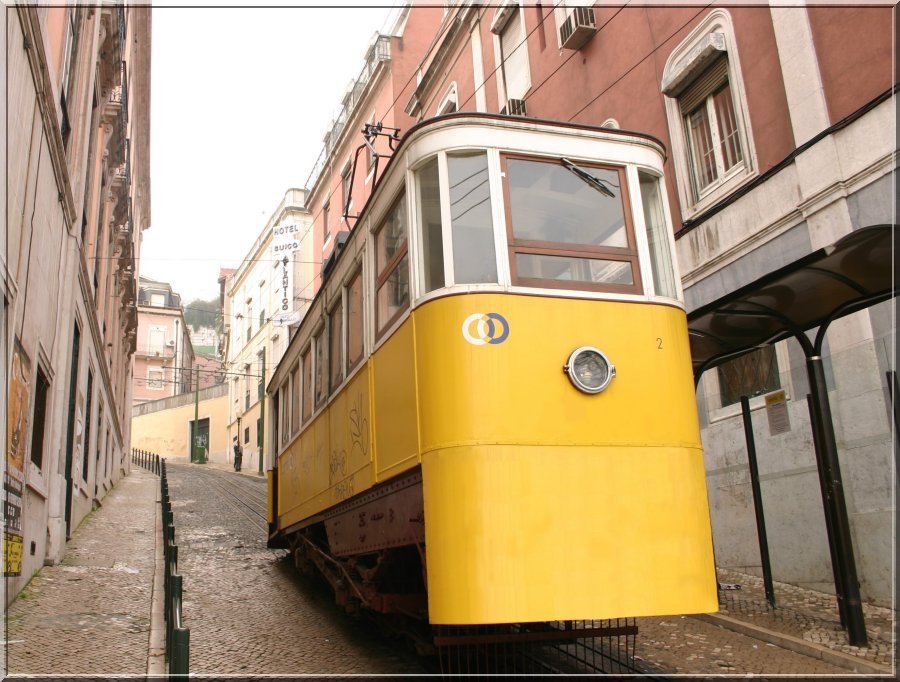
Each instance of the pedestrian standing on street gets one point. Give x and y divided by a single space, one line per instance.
238 454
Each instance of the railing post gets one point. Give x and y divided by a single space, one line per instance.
181 652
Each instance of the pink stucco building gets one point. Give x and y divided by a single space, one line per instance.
164 357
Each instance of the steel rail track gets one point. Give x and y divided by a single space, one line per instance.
246 501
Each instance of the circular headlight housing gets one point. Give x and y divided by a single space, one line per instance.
589 369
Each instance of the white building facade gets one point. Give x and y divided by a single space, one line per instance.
262 300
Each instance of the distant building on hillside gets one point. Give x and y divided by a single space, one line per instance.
209 368
205 340
164 358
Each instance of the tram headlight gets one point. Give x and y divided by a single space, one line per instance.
589 369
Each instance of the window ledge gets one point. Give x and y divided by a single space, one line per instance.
726 188
35 480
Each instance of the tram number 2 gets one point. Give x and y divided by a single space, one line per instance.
659 342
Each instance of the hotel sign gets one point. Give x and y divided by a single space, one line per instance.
285 243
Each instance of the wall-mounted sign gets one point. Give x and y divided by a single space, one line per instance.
285 239
777 412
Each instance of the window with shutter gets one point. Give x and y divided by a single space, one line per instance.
514 57
706 108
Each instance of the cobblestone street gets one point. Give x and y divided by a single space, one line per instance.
249 611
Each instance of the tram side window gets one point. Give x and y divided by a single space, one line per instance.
474 255
321 368
568 228
392 266
429 206
354 321
661 263
281 414
335 341
306 368
295 403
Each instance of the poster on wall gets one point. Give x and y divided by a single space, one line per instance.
16 446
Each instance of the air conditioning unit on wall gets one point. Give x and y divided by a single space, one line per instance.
514 107
578 28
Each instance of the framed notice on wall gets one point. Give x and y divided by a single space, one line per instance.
19 410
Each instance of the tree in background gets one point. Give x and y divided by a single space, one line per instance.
199 313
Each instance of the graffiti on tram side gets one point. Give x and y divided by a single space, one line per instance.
337 465
343 490
359 427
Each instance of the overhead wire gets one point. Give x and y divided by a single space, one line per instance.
442 31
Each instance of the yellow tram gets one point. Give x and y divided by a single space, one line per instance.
487 414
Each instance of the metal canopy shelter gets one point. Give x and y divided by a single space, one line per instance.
850 275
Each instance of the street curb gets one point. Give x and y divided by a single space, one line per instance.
156 654
836 658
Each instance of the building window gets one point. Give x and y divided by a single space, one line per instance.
246 435
370 150
262 306
749 375
511 51
568 227
713 139
345 187
158 300
707 114
156 340
391 266
246 388
41 389
449 103
354 321
155 379
326 233
88 418
249 322
70 51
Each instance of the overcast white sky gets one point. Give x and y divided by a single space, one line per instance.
240 101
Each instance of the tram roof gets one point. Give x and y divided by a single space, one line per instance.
852 274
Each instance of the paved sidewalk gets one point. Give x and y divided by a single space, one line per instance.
809 617
91 614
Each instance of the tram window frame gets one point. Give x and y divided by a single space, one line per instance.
320 367
335 360
306 390
293 426
350 361
382 276
628 254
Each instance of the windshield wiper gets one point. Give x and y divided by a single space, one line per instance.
593 181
